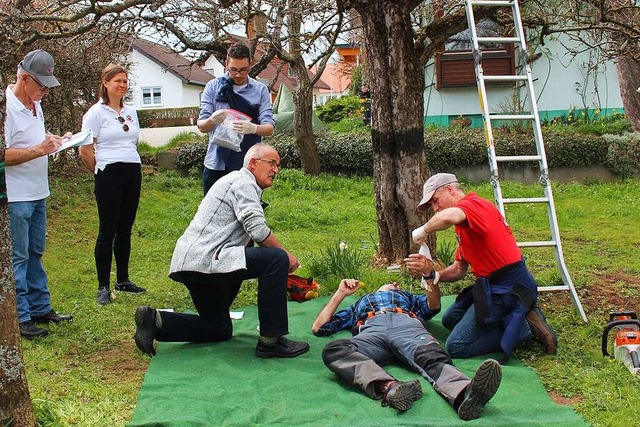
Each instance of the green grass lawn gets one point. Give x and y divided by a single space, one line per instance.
88 373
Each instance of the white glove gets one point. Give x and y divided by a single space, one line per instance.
218 117
244 127
419 236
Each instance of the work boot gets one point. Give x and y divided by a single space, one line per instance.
481 389
541 331
29 330
283 347
104 296
52 317
401 394
146 329
129 286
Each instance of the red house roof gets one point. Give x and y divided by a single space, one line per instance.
173 62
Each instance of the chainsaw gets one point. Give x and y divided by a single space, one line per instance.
627 342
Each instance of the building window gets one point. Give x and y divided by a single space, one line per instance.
151 96
128 97
455 66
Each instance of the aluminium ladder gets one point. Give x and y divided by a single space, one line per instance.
532 115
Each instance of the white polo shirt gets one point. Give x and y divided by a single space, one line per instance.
27 181
113 143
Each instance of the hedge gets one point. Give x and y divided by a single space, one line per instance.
166 117
451 148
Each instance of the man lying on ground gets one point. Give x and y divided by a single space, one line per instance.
388 325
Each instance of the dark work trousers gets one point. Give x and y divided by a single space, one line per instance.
117 191
213 294
210 176
390 337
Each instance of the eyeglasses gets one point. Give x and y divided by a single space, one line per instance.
125 127
238 71
274 164
42 87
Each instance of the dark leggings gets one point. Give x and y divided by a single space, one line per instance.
117 191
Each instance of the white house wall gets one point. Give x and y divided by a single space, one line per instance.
560 83
147 73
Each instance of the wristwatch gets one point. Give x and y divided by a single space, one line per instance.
431 275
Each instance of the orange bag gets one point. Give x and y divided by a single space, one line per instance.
302 289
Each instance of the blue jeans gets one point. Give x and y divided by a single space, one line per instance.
467 339
28 231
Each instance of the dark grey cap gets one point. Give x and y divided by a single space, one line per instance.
40 64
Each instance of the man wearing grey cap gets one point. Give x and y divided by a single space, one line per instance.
28 145
499 311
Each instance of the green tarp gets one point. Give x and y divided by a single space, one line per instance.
283 110
224 384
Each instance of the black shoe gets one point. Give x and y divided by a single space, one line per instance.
146 329
104 296
541 331
480 390
129 286
401 394
52 317
282 348
29 330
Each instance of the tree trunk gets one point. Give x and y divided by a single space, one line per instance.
15 402
303 123
629 81
397 129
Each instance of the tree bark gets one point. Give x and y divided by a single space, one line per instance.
397 129
629 81
15 401
303 124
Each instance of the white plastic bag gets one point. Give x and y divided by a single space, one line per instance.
224 135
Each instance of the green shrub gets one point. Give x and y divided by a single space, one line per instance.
337 109
350 124
452 148
623 154
339 152
190 157
159 117
337 262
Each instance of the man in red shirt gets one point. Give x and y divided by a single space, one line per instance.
499 311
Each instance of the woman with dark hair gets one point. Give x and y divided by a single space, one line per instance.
115 161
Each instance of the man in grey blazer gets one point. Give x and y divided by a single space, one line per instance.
214 256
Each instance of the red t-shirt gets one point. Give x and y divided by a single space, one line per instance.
485 241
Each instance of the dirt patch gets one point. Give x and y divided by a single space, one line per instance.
560 400
610 292
119 362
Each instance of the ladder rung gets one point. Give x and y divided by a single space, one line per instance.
504 78
511 116
491 3
536 244
498 40
518 158
526 200
553 288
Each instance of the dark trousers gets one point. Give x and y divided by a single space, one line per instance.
210 176
117 191
390 337
213 294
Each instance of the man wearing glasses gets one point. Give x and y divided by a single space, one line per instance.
28 145
238 91
212 258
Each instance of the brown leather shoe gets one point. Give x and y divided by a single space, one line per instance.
541 331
